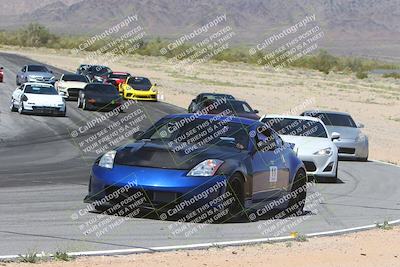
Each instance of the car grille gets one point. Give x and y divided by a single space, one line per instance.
42 79
310 166
152 198
346 150
45 109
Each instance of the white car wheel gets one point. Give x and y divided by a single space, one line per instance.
21 108
12 106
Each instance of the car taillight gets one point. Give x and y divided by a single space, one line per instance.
24 98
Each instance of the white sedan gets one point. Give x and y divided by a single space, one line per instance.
70 85
309 138
38 98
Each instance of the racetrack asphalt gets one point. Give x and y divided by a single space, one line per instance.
44 178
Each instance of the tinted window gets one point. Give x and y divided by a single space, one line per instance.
41 90
334 119
118 76
266 139
139 83
296 127
74 78
37 68
216 96
99 70
219 133
236 106
101 88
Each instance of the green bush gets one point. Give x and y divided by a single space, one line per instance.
361 75
36 35
392 75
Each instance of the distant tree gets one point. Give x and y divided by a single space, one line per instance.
36 35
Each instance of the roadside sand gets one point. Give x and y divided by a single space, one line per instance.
374 101
364 249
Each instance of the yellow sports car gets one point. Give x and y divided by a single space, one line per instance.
138 88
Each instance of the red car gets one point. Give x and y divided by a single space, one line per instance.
1 74
115 78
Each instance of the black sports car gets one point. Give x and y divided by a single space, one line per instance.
206 96
99 96
227 108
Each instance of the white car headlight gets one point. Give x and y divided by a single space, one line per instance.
324 152
361 137
107 160
206 168
52 78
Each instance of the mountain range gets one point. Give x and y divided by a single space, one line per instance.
351 27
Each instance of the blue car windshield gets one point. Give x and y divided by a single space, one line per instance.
199 131
41 90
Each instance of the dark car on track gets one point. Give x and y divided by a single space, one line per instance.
206 96
1 74
168 165
96 73
236 108
99 96
117 78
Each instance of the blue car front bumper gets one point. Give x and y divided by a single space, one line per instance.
163 189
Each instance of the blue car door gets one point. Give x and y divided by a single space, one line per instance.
270 173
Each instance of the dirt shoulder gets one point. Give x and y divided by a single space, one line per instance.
374 101
372 248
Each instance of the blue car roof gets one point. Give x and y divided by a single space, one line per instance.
218 118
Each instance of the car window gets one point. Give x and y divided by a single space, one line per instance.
101 88
37 68
266 139
40 90
140 83
296 127
118 76
177 131
74 78
335 119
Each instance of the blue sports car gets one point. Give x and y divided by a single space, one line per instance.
192 163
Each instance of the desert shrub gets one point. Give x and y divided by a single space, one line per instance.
391 75
36 35
361 75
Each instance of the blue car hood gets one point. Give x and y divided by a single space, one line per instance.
160 155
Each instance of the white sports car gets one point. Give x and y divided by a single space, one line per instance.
309 138
39 98
70 85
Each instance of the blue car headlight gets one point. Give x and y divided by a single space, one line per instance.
107 160
206 168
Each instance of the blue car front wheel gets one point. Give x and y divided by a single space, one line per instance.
236 192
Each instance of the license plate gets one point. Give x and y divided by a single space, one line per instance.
164 197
